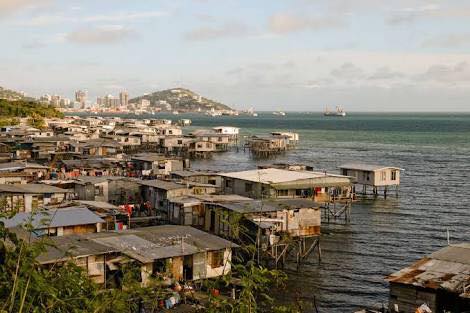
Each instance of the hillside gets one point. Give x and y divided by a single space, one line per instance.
23 108
11 95
182 100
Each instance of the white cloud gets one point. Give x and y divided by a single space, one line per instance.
43 20
100 35
230 29
446 41
12 6
447 74
348 71
427 11
385 73
282 23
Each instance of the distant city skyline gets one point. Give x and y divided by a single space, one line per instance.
293 55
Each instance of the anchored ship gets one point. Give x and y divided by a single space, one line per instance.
339 112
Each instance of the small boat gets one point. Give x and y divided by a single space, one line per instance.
279 113
175 113
339 112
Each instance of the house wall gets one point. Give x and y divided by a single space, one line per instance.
88 191
79 229
93 266
408 298
199 266
239 187
302 222
122 191
374 178
28 203
384 178
158 197
221 270
190 215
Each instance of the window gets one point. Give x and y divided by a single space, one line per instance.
394 175
99 190
180 142
383 175
248 187
219 139
283 193
208 145
216 259
228 183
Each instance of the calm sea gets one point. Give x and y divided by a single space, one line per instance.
383 235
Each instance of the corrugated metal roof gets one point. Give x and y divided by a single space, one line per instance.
448 268
273 175
97 204
31 188
459 253
366 167
143 250
161 184
151 157
72 246
258 206
54 218
14 166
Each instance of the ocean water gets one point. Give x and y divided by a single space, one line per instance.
383 235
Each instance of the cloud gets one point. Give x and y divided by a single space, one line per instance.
429 11
457 73
43 20
100 35
399 19
451 40
282 23
347 71
384 73
12 6
227 30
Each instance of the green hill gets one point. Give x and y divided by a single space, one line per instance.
10 111
182 100
22 108
12 95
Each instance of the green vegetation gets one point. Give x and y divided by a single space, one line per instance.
10 111
182 100
23 108
26 286
12 95
8 121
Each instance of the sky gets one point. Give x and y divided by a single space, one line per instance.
292 55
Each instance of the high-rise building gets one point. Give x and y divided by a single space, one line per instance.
124 98
80 96
55 100
64 102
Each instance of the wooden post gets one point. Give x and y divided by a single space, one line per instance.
298 255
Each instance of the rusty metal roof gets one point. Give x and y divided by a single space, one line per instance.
448 268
